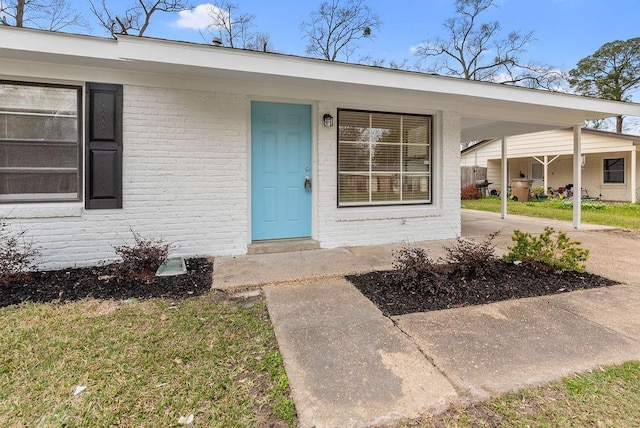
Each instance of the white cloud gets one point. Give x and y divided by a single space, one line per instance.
414 49
198 18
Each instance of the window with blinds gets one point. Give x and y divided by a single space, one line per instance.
383 158
39 142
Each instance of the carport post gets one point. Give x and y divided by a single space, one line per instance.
545 171
503 195
577 175
634 157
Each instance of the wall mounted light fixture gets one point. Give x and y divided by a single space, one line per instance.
328 120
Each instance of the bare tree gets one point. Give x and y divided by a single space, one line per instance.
335 28
384 63
233 28
52 15
135 19
475 50
260 42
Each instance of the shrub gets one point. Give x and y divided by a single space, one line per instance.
471 258
557 252
16 254
538 190
469 192
415 269
144 257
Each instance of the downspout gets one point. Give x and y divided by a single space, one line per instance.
577 176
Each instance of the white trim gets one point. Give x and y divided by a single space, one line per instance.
487 110
577 177
624 171
313 152
394 212
505 179
531 164
41 210
634 168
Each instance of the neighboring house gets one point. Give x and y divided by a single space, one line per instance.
214 149
609 161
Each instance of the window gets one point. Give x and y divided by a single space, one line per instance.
39 142
613 171
383 158
537 171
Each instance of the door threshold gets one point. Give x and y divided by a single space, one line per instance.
282 246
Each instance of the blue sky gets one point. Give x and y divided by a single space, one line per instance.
564 30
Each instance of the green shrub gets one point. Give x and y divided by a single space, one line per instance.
144 257
16 254
558 252
538 190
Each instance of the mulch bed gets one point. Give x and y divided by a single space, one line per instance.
103 282
509 281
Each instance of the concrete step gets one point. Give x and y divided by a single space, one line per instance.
282 246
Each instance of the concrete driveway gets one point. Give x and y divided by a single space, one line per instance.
350 366
613 253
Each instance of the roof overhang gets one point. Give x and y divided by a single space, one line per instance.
487 110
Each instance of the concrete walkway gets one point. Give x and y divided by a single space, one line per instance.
350 366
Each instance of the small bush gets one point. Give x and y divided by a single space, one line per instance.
144 257
415 269
557 252
538 190
17 255
473 259
469 192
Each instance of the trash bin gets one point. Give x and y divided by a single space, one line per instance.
520 190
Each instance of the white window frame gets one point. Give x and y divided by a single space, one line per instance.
624 171
428 166
534 164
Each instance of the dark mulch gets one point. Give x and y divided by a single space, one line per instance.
509 281
103 282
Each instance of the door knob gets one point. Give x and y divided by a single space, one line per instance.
307 184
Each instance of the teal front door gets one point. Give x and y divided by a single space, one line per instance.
280 168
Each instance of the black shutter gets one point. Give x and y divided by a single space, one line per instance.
103 146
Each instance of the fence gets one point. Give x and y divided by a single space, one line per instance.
472 174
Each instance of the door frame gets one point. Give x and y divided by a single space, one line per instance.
314 159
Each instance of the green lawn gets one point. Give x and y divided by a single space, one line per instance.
607 397
143 363
147 363
610 214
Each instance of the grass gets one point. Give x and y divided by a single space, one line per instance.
145 363
624 215
607 397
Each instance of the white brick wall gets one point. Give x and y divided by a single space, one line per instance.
354 226
185 181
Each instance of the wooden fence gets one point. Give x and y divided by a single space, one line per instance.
472 174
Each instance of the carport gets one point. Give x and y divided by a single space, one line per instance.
497 117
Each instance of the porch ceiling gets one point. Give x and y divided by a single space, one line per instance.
486 110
